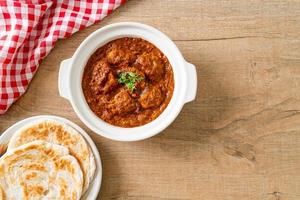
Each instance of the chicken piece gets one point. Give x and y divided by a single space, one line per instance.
110 83
151 65
122 103
99 75
116 54
151 97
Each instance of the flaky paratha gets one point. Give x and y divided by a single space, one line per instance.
40 170
57 133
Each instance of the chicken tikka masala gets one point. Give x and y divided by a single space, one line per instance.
128 82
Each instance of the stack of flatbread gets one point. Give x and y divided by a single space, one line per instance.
46 160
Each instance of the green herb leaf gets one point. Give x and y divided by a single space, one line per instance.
129 79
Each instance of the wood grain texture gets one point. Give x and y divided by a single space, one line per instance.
240 139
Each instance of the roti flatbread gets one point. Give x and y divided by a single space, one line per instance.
62 134
40 170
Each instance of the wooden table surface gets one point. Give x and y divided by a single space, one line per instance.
240 138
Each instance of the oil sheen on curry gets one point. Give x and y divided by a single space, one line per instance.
128 82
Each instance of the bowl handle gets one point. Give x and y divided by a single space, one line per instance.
191 82
63 78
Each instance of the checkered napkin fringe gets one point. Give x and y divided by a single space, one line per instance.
29 30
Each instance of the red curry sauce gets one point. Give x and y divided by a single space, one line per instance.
115 103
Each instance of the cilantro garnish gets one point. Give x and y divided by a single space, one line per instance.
129 79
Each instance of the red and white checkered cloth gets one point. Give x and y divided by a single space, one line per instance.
29 30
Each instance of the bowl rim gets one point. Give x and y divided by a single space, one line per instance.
155 37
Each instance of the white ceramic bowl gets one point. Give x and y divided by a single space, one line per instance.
92 192
71 72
